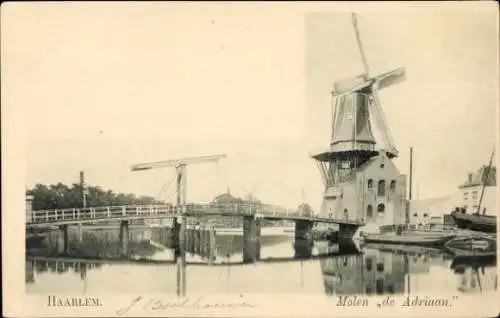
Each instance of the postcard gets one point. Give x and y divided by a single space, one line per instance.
263 159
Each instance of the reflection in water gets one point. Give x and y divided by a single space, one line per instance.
476 275
282 268
374 272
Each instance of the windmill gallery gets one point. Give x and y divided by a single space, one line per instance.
364 236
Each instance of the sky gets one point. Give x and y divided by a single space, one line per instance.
99 87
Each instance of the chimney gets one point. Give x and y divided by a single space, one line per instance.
470 178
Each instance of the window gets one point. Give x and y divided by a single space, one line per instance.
369 264
393 186
466 195
382 166
415 214
346 214
381 188
369 211
380 267
426 215
474 197
381 208
379 286
370 184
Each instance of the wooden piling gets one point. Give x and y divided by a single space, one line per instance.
197 240
174 237
80 233
193 240
202 241
182 234
251 239
179 236
213 247
188 239
303 239
124 238
63 239
258 236
181 255
205 242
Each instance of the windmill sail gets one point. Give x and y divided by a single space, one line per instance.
359 87
369 86
390 78
381 130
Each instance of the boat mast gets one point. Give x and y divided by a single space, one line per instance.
484 182
408 205
410 188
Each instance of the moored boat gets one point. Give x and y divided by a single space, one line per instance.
478 221
424 240
475 222
402 249
472 246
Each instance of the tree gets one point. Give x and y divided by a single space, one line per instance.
305 209
225 198
61 196
42 197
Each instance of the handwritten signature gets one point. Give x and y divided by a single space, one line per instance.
186 303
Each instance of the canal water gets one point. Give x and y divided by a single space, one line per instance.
93 268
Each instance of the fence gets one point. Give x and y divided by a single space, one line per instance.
110 212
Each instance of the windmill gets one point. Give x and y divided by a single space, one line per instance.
356 105
353 148
250 194
368 86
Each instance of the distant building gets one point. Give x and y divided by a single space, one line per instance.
29 207
471 189
436 211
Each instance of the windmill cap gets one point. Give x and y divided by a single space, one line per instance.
351 84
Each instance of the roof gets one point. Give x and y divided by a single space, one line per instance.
368 163
481 176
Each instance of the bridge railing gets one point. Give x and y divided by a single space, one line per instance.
108 212
43 216
275 210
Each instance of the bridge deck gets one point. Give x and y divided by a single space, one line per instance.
141 212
